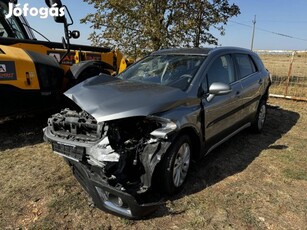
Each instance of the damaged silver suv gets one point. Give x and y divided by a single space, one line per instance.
132 137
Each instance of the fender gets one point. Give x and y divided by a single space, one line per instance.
77 70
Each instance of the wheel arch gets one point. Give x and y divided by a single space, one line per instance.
86 69
195 139
79 68
265 96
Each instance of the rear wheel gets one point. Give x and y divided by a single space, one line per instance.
175 165
258 124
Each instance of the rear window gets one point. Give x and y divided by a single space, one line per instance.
245 64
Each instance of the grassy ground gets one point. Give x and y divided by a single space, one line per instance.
279 66
250 182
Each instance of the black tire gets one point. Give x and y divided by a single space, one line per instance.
175 164
260 118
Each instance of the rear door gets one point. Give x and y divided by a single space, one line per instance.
250 77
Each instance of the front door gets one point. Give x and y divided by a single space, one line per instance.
223 112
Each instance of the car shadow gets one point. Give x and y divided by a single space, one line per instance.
235 155
22 130
26 128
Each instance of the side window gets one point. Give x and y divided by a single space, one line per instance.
245 64
9 27
221 70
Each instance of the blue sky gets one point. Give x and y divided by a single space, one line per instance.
273 16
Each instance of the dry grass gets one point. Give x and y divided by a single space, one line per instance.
250 182
279 65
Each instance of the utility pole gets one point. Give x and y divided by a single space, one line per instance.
253 36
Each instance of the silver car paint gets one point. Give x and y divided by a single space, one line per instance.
219 107
108 98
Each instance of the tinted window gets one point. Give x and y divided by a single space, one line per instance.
221 70
245 64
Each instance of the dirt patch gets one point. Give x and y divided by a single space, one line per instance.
250 182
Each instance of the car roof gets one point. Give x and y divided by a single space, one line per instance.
202 51
199 51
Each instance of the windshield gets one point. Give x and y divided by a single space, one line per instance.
172 70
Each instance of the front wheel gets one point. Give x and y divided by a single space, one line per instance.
175 165
258 123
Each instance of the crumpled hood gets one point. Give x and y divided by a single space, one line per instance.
109 98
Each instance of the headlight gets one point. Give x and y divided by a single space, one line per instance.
167 127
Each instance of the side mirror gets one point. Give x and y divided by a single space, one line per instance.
218 88
57 4
59 10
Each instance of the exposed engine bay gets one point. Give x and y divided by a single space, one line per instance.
122 153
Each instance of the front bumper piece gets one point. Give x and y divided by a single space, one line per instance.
108 198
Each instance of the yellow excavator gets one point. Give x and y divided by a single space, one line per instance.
34 74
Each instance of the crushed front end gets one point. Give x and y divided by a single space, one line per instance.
113 160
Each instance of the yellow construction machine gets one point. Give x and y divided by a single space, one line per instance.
34 74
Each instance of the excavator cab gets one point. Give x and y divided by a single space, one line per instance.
13 27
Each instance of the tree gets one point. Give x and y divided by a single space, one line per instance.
141 26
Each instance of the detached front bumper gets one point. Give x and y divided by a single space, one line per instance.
108 198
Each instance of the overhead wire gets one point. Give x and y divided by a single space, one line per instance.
269 31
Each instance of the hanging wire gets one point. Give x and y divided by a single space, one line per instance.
269 31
